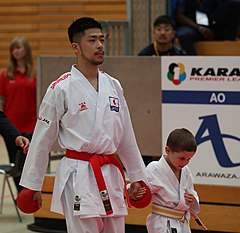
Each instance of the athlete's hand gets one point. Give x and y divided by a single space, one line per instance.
37 196
23 143
189 198
136 191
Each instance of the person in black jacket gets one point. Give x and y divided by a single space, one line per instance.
164 42
8 131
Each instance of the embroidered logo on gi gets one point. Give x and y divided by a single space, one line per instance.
59 80
44 120
114 104
83 106
105 200
77 200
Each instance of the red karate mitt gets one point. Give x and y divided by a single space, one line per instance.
144 200
26 203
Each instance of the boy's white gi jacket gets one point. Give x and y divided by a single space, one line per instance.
169 192
83 119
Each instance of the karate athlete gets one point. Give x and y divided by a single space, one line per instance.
8 130
171 183
86 110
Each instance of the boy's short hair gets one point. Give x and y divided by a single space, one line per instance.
79 26
164 19
181 140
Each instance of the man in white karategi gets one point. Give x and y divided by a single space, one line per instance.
86 111
171 183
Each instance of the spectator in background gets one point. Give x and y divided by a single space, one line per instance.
189 29
224 17
238 31
164 34
18 94
206 20
7 130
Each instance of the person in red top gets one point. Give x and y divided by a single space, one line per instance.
18 93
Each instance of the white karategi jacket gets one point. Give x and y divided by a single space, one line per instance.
83 119
169 192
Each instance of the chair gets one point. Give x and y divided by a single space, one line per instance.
8 171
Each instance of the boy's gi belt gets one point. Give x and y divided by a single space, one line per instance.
167 212
177 214
97 161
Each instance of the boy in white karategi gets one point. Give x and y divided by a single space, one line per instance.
171 183
86 111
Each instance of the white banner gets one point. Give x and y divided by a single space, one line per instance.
202 94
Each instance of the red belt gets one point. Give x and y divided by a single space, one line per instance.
97 161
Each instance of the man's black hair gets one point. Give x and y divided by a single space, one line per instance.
164 19
79 26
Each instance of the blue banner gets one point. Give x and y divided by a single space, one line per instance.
201 97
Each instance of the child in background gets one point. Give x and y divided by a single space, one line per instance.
171 183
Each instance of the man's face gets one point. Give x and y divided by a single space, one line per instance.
164 33
91 46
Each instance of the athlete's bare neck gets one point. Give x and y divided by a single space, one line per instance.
177 172
91 73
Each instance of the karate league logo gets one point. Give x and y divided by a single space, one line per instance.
176 73
215 136
77 201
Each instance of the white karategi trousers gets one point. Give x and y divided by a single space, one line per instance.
75 224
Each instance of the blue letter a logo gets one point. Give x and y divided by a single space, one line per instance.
210 123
